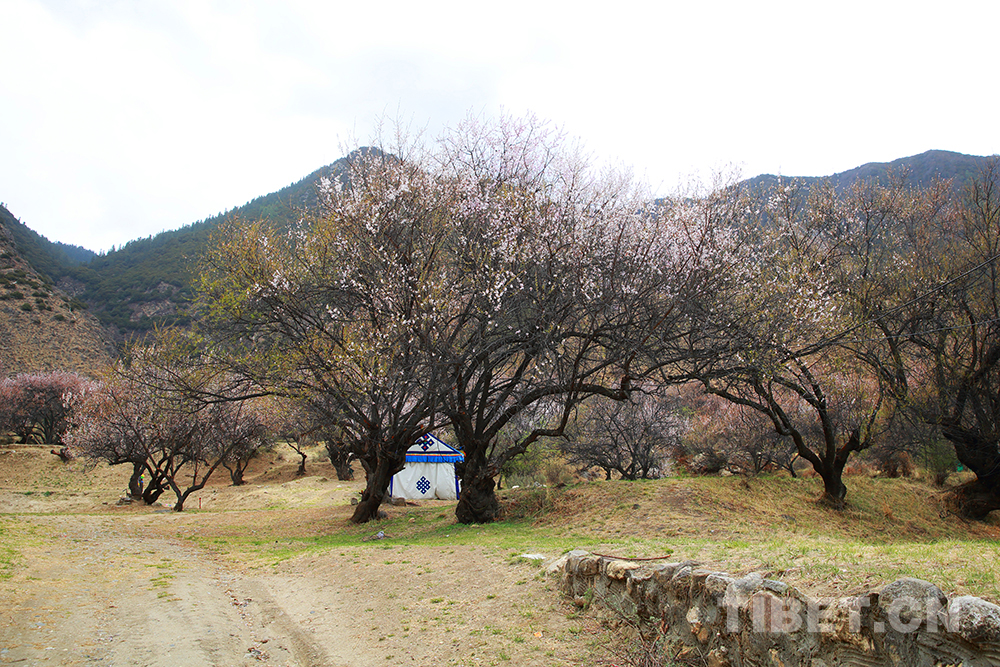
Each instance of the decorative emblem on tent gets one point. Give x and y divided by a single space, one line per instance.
423 485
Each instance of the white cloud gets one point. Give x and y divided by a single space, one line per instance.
120 119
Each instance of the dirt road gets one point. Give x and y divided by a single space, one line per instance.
85 582
93 595
103 590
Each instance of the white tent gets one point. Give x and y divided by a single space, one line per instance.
429 471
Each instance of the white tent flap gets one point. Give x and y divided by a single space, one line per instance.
429 471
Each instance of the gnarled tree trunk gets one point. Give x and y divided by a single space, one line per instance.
340 458
478 501
975 499
134 482
376 487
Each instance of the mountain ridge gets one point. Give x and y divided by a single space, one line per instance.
148 282
921 170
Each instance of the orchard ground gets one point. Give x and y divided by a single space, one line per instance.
273 573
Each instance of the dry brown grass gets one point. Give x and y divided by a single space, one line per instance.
888 529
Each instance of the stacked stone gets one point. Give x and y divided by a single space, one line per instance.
751 620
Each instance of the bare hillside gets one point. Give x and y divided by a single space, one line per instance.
40 330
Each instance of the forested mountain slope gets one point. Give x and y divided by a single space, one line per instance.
148 281
920 169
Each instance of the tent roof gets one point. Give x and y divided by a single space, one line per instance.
431 449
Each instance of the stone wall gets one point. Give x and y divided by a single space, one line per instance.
749 621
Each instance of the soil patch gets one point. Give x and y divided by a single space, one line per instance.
92 582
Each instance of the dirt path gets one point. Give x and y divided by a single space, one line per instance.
85 582
91 594
111 590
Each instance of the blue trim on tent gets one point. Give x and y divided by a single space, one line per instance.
451 455
435 458
421 455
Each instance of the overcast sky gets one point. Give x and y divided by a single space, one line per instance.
123 118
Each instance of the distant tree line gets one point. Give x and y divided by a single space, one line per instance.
494 272
495 283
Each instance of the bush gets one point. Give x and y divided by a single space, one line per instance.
556 472
526 504
530 467
893 463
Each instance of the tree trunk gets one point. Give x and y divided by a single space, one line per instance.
975 499
834 490
183 496
134 485
236 472
344 471
341 459
378 482
302 464
63 453
478 501
154 489
831 468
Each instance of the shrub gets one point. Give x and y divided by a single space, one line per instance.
42 407
526 504
557 472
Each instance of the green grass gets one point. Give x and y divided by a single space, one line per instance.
10 555
889 529
15 535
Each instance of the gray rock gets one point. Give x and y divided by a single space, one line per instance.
558 566
908 587
778 587
664 572
717 583
588 565
973 619
909 602
619 569
581 563
738 593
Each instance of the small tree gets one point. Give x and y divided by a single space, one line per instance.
242 427
631 438
295 427
41 407
152 412
125 423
